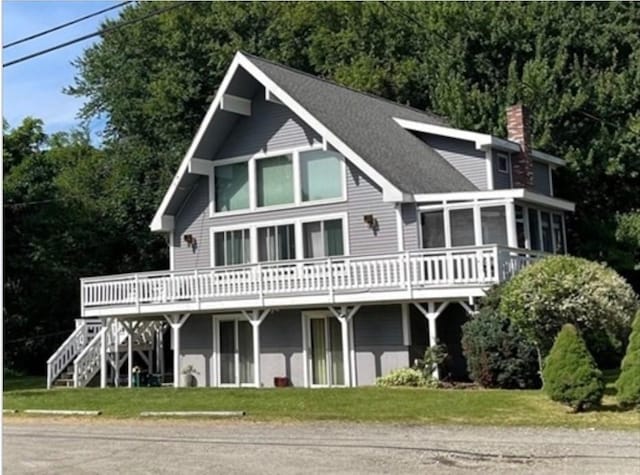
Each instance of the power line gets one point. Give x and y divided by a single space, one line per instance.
91 35
64 25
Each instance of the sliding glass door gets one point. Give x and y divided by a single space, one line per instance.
235 352
326 351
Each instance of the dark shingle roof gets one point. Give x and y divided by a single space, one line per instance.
365 123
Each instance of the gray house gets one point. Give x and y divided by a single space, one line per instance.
318 236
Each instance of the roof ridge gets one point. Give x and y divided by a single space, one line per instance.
333 83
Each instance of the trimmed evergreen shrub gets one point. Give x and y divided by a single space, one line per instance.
628 383
497 354
564 289
405 377
570 373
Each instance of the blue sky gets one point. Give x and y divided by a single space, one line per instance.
34 87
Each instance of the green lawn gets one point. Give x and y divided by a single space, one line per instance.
419 406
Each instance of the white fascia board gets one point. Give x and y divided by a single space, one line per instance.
508 193
551 202
469 195
235 104
482 141
389 191
198 166
545 157
156 223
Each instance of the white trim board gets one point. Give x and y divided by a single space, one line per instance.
515 193
481 141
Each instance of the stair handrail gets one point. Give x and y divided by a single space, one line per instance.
87 364
66 353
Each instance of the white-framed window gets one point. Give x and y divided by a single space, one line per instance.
231 186
312 236
320 175
503 162
277 243
231 247
275 180
323 238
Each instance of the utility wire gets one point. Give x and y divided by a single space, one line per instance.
91 35
64 25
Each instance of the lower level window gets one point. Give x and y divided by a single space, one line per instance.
323 238
231 247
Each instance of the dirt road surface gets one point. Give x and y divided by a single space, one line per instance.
71 446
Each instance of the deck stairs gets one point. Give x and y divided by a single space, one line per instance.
77 361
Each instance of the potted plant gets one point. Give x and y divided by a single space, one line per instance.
188 378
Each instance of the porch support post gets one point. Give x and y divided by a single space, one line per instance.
176 321
344 316
510 215
431 313
106 323
130 328
256 317
116 358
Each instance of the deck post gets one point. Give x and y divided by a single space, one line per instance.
431 313
176 321
116 352
344 316
256 317
103 353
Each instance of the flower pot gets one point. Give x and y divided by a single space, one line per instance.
281 382
188 381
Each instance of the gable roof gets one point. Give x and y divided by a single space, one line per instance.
358 125
366 123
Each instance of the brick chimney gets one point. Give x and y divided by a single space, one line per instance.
519 130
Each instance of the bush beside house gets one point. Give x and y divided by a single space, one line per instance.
564 289
497 354
628 383
570 373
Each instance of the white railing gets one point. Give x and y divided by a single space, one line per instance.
481 265
70 348
87 364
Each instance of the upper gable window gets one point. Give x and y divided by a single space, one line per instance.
320 175
231 187
503 163
275 180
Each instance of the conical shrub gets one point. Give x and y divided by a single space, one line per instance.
628 383
570 373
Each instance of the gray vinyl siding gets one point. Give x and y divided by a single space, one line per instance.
270 127
366 198
463 155
193 219
410 227
501 180
378 342
541 178
363 197
196 348
281 347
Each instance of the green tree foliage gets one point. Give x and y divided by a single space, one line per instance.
497 354
628 383
570 373
61 222
563 289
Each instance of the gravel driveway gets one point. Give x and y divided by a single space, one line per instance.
32 445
